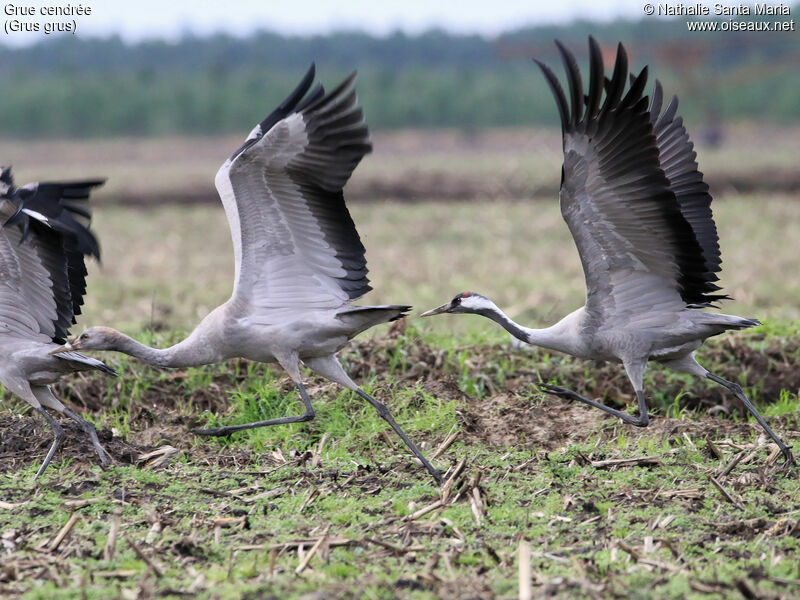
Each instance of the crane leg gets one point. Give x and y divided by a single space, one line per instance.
307 416
330 368
739 393
58 437
641 421
384 413
90 430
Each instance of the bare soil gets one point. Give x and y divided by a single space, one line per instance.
508 414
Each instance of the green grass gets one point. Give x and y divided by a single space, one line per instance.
591 529
576 518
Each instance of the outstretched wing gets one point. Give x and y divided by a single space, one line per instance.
42 256
678 160
639 252
294 241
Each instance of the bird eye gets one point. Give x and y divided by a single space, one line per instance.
84 336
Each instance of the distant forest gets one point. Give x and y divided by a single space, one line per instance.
104 87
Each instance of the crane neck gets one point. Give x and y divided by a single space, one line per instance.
187 353
560 337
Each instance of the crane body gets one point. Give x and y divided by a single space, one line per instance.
298 258
640 215
42 282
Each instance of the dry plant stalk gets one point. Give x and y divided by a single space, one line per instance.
448 486
451 437
307 558
616 462
730 466
524 563
159 573
424 511
318 454
713 448
725 493
395 548
73 518
111 543
312 494
476 504
158 457
81 502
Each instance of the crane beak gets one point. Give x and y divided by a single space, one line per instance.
68 347
438 310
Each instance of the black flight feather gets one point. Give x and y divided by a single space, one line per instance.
632 141
46 211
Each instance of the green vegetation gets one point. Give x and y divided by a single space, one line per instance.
90 87
337 496
333 508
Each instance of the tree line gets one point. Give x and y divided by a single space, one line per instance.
208 85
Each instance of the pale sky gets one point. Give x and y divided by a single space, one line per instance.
169 19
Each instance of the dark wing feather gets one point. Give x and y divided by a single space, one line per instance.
337 138
637 247
678 160
295 102
48 216
295 241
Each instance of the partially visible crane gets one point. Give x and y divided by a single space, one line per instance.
42 283
640 215
299 261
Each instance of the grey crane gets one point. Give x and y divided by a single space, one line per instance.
299 261
640 215
42 283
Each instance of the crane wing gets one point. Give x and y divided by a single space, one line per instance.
295 243
42 270
639 251
679 162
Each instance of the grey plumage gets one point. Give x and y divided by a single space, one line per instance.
299 261
42 282
640 215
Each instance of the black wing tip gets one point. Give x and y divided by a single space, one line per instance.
302 88
582 108
93 182
696 276
6 177
290 103
558 94
561 47
404 310
106 369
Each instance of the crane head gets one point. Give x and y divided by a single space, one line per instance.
465 302
94 338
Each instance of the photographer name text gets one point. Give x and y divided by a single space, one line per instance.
740 10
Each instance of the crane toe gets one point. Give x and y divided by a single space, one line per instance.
555 390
